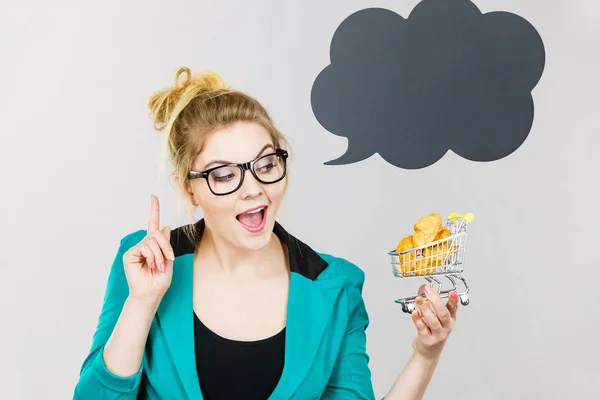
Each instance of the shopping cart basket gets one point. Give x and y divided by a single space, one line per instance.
444 258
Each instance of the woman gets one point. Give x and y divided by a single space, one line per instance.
233 306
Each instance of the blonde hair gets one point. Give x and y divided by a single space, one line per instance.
193 108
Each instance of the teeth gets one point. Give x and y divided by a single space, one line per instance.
255 211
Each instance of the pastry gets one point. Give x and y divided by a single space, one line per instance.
407 261
436 253
426 228
423 259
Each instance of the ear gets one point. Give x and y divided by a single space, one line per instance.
189 192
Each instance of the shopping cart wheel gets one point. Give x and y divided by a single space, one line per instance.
408 307
464 299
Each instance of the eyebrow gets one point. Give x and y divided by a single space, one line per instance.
265 147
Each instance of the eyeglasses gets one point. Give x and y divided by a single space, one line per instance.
226 179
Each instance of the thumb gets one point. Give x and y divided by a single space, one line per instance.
167 232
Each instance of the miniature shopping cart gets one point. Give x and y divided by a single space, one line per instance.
436 261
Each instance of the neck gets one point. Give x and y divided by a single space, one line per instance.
218 252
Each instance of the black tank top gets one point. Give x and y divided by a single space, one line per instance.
230 369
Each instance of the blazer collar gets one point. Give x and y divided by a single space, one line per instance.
311 301
303 259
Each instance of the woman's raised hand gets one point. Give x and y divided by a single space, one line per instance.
149 264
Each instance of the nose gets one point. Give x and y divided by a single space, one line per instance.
250 186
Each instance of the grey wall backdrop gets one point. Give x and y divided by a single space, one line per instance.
79 160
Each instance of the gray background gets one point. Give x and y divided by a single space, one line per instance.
79 160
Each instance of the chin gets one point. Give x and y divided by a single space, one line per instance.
256 243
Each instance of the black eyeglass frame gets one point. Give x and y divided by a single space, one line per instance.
243 168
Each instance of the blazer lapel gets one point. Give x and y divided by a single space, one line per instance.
310 303
175 317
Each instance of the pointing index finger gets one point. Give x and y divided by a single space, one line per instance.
154 221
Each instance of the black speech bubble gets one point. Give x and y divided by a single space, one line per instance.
446 78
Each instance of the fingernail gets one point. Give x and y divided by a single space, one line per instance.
453 295
162 267
428 289
172 256
419 300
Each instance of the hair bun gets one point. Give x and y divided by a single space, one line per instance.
166 104
202 81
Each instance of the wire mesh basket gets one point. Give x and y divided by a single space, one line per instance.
437 260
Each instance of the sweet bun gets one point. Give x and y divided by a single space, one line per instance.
427 229
407 261
405 244
436 253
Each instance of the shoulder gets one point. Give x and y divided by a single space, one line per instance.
131 239
318 265
353 278
339 267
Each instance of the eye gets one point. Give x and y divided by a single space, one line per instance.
266 168
224 175
266 165
222 179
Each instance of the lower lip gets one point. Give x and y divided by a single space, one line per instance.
259 227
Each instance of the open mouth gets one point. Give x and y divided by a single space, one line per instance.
253 220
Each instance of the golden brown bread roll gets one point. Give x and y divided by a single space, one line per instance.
426 228
436 253
407 263
405 244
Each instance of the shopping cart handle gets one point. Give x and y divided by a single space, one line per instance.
467 217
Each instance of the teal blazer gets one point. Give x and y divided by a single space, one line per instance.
325 349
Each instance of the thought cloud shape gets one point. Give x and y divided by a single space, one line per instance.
446 78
